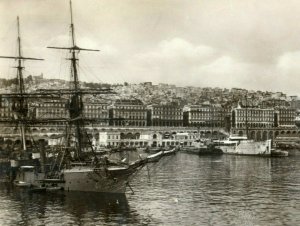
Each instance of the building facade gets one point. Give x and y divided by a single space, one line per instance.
145 138
128 113
285 117
97 112
204 116
50 109
5 109
253 118
165 115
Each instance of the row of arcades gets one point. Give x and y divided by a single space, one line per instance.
260 135
155 138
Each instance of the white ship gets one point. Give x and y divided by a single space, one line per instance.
113 179
238 145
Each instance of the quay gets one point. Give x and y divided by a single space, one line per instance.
155 136
111 136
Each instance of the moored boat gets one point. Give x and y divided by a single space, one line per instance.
155 157
93 172
170 152
238 145
20 156
37 189
22 184
279 153
153 150
200 147
75 164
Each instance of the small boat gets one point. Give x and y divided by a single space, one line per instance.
211 149
203 147
155 157
54 188
152 150
37 189
22 184
170 152
191 150
52 184
279 153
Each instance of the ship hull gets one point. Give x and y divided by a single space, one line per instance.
204 150
91 180
248 147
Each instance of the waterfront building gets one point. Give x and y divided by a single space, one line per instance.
109 138
285 117
50 109
204 116
98 112
261 124
145 138
124 138
295 104
252 118
126 112
5 109
288 139
165 115
183 138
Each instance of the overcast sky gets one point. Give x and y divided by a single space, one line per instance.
251 44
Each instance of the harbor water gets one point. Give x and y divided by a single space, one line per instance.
181 189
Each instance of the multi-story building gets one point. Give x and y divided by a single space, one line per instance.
125 138
10 109
165 115
5 109
50 109
252 118
57 109
109 138
144 138
285 117
98 112
128 113
204 116
295 104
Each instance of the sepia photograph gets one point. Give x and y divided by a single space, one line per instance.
150 112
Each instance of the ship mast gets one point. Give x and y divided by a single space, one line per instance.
20 103
73 56
76 105
19 67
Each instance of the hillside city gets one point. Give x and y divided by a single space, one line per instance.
163 93
260 115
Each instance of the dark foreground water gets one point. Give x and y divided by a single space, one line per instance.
179 190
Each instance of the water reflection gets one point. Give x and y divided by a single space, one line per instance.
220 190
63 208
104 207
179 190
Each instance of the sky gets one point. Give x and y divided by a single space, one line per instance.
250 44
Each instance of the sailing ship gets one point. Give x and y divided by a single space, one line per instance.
20 156
81 169
77 167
